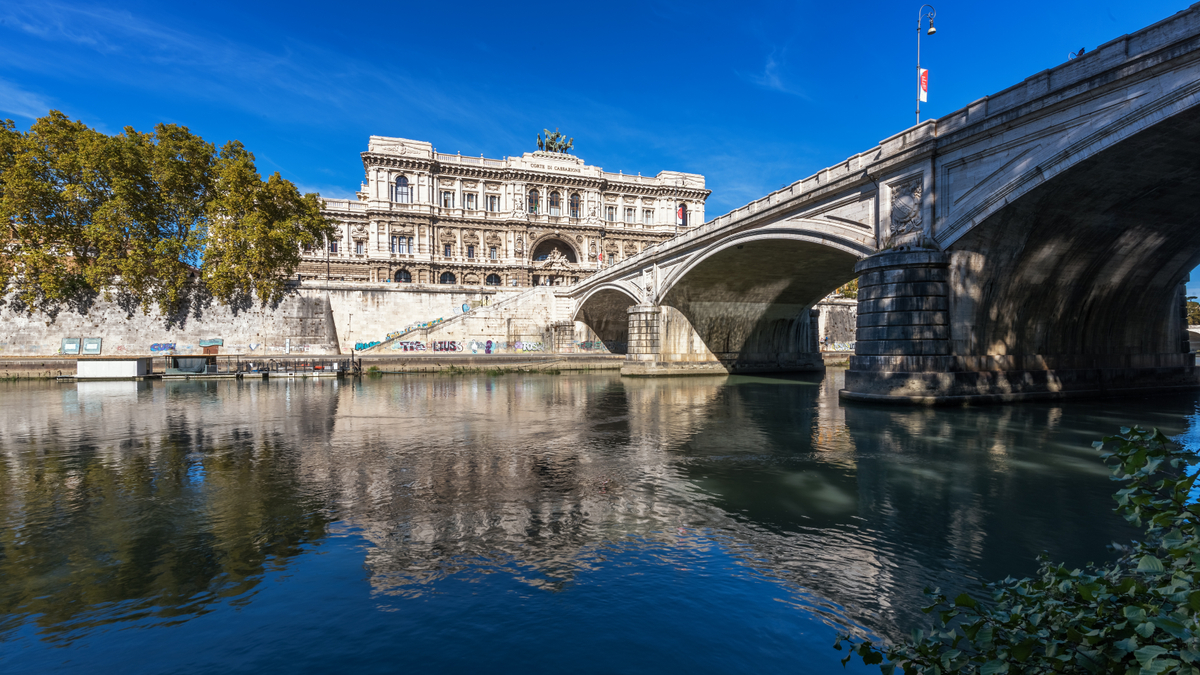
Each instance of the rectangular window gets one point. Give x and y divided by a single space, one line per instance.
493 203
470 250
358 247
469 201
629 215
333 247
395 245
648 217
447 199
610 213
493 253
447 250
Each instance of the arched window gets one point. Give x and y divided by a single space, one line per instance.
403 193
533 201
681 215
403 277
446 278
555 204
576 206
492 280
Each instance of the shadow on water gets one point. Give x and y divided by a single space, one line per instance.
524 513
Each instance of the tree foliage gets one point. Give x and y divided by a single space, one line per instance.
848 289
136 214
1193 311
1137 615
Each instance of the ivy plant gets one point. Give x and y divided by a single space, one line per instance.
1135 615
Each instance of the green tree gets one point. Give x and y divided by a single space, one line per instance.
256 229
1136 615
1193 311
133 215
849 289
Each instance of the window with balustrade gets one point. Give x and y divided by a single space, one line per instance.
555 204
402 192
533 201
447 199
402 245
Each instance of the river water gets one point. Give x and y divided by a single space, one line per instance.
577 523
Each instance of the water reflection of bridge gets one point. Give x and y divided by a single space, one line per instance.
857 508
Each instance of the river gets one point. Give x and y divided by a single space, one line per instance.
530 523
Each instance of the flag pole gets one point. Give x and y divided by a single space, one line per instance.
921 15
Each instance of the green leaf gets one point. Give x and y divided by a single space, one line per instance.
1148 653
964 600
993 667
1150 564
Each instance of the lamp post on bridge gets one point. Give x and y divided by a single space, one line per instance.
922 80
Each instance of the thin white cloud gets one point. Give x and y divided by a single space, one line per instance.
772 75
22 103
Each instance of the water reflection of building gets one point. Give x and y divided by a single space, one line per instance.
858 509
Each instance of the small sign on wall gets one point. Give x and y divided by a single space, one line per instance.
215 342
70 346
91 345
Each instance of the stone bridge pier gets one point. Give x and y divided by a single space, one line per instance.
663 341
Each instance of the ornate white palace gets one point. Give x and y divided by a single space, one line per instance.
544 218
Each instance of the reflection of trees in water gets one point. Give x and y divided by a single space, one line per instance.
123 504
168 497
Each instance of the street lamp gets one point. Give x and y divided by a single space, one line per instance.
921 16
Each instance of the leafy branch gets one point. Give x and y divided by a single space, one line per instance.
1135 615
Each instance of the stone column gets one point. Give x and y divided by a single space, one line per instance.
902 347
645 340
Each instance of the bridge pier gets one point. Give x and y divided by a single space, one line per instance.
663 342
910 305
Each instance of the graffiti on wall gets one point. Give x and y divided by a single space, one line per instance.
359 346
447 346
528 346
409 346
162 347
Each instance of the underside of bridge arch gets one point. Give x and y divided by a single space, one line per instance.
606 312
1091 261
1076 286
748 306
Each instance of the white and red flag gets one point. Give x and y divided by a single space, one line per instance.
924 86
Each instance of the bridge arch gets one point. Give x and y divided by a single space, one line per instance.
747 298
605 310
1084 269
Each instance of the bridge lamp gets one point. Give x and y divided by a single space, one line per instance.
922 81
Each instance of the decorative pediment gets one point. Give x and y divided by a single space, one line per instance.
493 239
470 238
493 187
556 260
471 184
447 236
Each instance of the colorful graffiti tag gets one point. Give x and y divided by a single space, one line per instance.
409 346
447 346
528 346
162 347
359 346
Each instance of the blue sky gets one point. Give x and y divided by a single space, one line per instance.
754 95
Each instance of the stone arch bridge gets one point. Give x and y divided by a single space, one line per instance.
1031 244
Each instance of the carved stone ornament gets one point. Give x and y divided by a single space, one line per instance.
520 245
648 280
592 251
446 236
358 231
906 207
579 238
556 260
470 238
493 239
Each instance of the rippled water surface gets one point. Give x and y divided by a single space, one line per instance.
524 523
